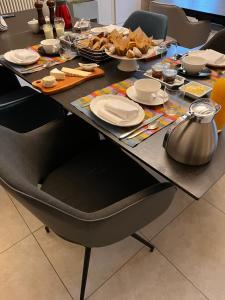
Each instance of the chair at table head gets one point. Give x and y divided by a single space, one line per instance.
152 24
217 42
188 34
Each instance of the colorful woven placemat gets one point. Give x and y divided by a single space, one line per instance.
120 89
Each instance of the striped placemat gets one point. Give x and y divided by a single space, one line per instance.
120 89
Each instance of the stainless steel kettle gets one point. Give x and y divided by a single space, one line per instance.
193 138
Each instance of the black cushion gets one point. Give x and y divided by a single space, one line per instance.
97 178
16 95
9 79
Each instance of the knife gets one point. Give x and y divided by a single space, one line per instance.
146 122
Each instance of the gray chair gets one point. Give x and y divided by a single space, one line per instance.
86 190
151 23
188 34
217 42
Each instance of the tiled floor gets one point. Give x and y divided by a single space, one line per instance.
188 263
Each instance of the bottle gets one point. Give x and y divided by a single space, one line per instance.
218 95
62 11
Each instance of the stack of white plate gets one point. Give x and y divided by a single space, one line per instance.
3 25
22 56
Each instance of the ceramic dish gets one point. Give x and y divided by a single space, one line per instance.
109 29
158 100
10 57
178 81
195 90
99 102
203 74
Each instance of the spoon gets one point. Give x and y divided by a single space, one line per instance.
151 126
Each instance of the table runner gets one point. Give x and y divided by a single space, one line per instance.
120 89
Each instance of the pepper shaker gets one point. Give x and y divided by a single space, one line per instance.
51 6
41 19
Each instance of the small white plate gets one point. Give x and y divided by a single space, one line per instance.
158 100
99 102
10 57
193 95
109 29
221 64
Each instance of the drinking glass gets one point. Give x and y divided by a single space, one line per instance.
171 104
175 45
59 26
162 49
67 52
48 31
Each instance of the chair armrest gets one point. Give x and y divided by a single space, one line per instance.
58 141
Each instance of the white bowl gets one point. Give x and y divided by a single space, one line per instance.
146 88
193 64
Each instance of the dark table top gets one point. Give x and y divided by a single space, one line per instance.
195 181
215 7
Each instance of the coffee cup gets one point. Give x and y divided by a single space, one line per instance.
51 46
146 89
34 26
193 64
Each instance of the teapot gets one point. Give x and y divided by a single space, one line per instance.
193 138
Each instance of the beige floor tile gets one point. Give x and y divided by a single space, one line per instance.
12 228
148 276
195 243
67 259
180 202
32 222
26 274
216 194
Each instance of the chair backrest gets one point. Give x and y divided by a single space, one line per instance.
217 42
152 24
186 33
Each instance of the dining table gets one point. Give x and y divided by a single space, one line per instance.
193 180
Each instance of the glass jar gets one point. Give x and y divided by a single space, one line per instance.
62 11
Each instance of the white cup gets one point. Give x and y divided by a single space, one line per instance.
34 26
193 64
146 89
51 46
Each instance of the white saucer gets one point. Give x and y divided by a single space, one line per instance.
9 56
158 100
99 102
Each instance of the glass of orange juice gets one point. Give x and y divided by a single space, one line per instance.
218 95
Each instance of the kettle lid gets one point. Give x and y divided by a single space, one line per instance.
203 109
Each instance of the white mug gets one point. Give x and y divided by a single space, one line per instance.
146 89
51 46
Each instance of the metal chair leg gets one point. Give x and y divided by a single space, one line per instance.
85 272
143 241
47 229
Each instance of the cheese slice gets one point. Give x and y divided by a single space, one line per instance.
59 75
75 72
48 81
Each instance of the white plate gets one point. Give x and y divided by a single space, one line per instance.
100 101
178 81
131 93
109 29
196 96
9 56
218 65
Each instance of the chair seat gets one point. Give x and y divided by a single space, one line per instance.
103 174
16 95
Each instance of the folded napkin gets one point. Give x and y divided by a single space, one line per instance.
118 112
211 56
3 25
24 54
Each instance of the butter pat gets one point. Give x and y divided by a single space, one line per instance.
75 72
48 81
59 75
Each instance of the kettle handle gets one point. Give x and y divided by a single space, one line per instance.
178 122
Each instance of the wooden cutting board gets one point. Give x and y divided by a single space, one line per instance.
67 83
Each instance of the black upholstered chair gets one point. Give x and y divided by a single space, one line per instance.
217 42
152 24
86 190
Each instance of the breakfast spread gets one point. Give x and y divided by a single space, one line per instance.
133 45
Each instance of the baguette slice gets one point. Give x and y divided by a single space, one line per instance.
75 72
